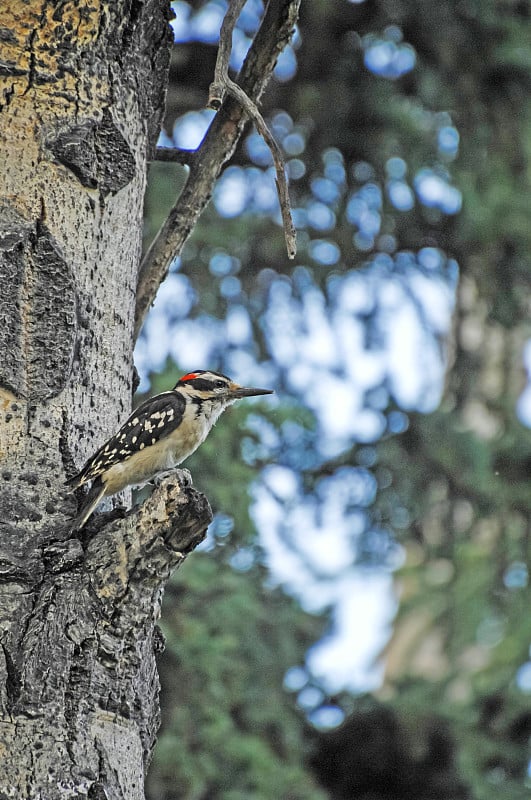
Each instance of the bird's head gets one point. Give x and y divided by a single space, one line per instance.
206 386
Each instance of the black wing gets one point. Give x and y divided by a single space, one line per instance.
154 419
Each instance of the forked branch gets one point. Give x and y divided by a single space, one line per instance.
290 234
218 145
222 84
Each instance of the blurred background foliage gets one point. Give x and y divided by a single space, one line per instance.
374 482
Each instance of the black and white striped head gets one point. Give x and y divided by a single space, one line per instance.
206 386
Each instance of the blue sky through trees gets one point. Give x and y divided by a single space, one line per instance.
355 334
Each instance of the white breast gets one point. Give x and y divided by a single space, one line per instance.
166 454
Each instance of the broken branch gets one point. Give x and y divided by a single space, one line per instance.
217 147
216 91
222 83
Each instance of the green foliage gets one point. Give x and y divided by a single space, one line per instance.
465 587
165 182
468 582
229 729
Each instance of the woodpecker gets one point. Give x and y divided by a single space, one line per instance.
160 434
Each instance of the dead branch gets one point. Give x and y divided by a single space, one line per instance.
217 147
175 155
222 83
278 160
216 92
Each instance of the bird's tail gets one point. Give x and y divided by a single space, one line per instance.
91 500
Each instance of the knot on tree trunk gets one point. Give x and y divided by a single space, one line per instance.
77 651
139 552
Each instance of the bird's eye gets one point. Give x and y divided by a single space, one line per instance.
219 384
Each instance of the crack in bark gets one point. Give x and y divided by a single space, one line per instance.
97 790
12 683
37 319
67 457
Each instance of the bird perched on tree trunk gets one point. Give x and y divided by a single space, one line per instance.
160 434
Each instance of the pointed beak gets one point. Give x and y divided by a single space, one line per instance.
237 392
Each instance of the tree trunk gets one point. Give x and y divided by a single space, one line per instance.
473 515
81 98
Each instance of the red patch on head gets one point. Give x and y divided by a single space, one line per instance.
189 376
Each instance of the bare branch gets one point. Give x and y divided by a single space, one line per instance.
223 83
217 147
278 159
216 92
175 155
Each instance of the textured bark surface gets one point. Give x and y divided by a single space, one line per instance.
81 98
79 684
82 88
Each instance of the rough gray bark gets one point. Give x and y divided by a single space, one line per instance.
82 89
81 98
